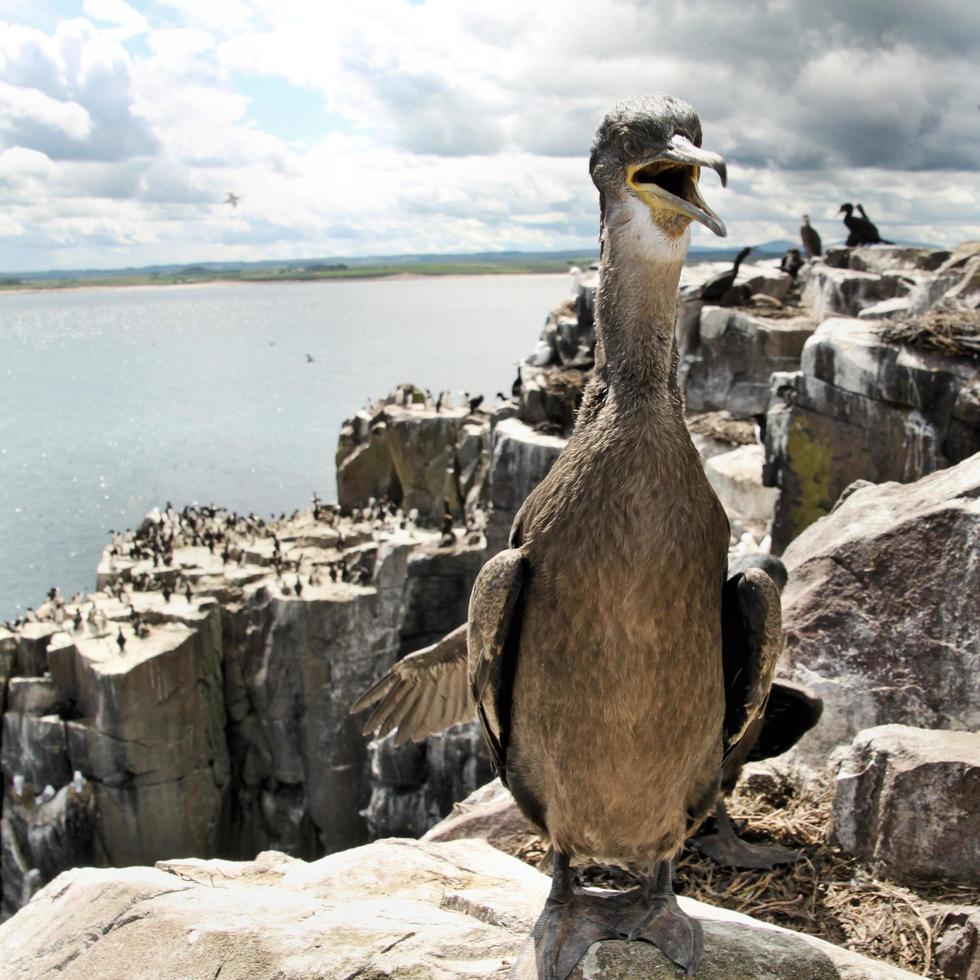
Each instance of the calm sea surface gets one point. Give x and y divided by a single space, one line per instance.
115 401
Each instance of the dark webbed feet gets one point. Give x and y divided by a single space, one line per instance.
572 921
568 925
726 848
675 933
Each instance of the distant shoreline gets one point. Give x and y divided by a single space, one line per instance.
460 271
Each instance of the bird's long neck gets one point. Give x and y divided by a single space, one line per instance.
636 309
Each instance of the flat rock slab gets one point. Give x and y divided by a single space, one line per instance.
908 800
394 908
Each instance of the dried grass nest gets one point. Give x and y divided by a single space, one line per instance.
824 894
949 331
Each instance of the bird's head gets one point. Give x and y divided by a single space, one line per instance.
647 152
846 208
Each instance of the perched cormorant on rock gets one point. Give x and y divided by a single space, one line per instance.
517 388
791 262
810 238
120 640
716 287
612 667
448 537
860 230
475 403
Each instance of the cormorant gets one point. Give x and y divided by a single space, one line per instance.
810 238
475 403
791 262
860 230
120 640
517 388
233 199
612 667
716 287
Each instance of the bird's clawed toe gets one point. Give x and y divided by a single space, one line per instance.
675 933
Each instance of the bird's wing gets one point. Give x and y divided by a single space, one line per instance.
424 693
791 712
751 641
494 631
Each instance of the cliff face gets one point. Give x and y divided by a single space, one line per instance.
212 718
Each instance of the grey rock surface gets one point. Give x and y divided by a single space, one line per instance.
907 800
727 365
395 908
880 613
521 458
736 477
957 941
863 408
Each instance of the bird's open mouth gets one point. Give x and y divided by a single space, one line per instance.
669 182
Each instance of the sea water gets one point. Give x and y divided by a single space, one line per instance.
114 401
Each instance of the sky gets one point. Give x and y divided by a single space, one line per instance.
393 126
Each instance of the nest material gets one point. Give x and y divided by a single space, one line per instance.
954 332
824 894
722 427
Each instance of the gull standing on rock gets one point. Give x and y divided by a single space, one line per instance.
612 666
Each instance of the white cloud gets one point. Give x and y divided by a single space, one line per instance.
129 21
457 125
23 107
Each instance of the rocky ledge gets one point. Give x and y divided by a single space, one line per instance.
394 908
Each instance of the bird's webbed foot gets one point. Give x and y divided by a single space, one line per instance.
572 921
661 922
726 848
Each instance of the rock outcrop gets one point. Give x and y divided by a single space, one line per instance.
395 908
880 613
864 404
906 802
862 407
405 450
727 366
203 694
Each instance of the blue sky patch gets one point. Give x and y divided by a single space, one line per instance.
293 113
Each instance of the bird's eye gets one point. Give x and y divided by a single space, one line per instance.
630 148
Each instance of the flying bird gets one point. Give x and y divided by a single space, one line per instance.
612 667
233 199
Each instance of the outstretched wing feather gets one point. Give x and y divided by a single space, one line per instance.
423 693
